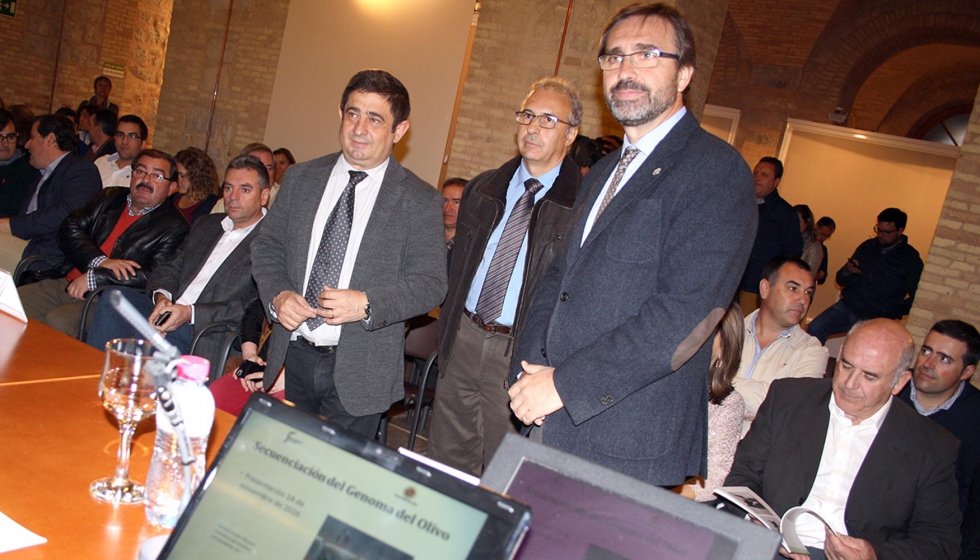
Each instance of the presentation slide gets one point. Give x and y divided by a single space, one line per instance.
281 493
575 520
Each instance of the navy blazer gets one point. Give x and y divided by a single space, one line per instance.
623 317
72 184
904 497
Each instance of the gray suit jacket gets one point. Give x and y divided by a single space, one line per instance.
401 265
623 317
904 497
227 293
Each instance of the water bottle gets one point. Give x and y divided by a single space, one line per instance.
165 481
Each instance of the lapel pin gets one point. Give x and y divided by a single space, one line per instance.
656 172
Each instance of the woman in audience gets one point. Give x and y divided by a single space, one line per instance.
725 406
812 250
284 158
197 184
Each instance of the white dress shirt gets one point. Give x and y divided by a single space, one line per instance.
844 451
112 174
365 195
645 145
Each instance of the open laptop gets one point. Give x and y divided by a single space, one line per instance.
588 512
291 486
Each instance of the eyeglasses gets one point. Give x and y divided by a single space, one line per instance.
880 231
140 173
131 136
639 59
544 120
9 138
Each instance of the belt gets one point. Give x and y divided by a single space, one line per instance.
489 327
320 349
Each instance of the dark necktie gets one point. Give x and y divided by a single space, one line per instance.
491 301
333 246
624 162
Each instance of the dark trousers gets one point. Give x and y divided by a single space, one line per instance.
108 324
310 386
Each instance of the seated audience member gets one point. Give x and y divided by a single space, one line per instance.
878 473
264 153
209 279
23 121
197 184
941 390
826 226
452 194
65 111
725 406
879 280
812 252
102 132
130 139
66 182
284 158
102 87
775 346
84 124
16 174
119 237
230 392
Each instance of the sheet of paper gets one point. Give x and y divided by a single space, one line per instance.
9 298
13 536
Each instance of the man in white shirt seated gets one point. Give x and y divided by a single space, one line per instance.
774 345
880 474
116 169
209 278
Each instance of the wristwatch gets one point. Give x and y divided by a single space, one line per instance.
272 312
367 313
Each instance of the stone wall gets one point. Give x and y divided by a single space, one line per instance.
517 42
247 76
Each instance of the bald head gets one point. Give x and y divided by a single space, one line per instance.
874 364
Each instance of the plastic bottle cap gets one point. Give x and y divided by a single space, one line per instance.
193 368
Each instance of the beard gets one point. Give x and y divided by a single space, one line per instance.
637 112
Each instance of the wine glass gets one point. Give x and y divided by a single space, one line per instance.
127 391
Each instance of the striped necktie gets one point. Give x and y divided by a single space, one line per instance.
624 162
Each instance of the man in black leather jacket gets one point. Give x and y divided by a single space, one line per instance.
117 238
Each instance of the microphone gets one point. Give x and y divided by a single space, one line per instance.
128 312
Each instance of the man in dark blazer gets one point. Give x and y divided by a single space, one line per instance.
612 358
209 278
67 182
877 472
352 248
500 221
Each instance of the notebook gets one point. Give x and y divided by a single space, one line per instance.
289 485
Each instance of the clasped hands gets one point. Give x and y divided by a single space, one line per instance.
336 307
179 314
122 269
534 396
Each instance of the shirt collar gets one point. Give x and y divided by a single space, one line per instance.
50 168
651 139
376 173
945 406
874 421
17 155
143 212
228 225
755 315
546 179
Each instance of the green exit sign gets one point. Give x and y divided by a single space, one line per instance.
8 8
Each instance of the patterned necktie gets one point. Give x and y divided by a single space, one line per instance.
624 162
491 301
333 246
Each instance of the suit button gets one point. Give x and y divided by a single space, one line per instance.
563 296
543 353
382 324
506 384
606 399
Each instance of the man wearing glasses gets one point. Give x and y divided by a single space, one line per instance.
510 225
879 280
16 173
118 238
612 362
130 139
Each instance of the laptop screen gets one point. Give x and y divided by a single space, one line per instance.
280 491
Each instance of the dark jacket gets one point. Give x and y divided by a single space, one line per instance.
71 185
16 179
886 278
151 241
903 500
778 234
480 210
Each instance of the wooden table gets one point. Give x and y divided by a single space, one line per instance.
56 439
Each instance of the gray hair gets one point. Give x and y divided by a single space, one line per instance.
559 85
905 360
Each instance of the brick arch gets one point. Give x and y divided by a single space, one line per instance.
863 35
945 92
733 67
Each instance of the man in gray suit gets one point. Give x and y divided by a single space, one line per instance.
612 363
210 277
352 248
